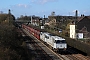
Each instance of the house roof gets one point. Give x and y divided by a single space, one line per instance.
80 18
83 23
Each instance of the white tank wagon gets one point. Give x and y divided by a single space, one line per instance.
44 36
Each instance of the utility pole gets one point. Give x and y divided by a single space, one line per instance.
31 19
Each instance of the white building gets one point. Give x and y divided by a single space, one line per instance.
72 31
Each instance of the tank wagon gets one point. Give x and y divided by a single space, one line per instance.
55 42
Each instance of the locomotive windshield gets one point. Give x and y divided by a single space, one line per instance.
46 37
60 41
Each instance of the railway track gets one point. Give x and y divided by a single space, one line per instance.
77 57
41 54
74 54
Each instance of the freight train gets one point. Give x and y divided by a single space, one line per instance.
56 42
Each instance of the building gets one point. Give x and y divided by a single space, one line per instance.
83 26
59 21
84 22
35 20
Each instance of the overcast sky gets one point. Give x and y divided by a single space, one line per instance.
45 7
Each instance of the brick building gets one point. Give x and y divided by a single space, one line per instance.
84 22
83 25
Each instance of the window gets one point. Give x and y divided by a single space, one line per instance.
47 37
60 41
41 34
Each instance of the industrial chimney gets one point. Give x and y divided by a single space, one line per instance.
31 19
44 16
76 14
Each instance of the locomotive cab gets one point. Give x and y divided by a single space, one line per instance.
59 43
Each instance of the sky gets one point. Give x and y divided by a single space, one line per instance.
45 7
